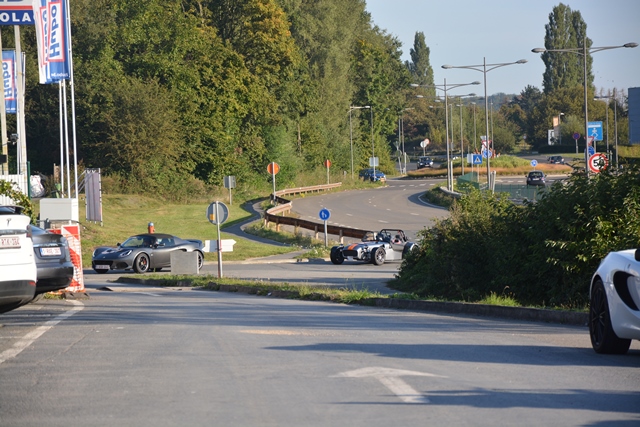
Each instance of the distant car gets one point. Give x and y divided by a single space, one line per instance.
53 261
144 252
536 178
17 263
556 160
367 174
614 294
425 162
376 248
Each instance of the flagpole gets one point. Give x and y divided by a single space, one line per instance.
73 97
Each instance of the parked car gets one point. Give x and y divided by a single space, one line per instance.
377 248
536 178
614 294
17 263
556 160
144 252
425 162
53 261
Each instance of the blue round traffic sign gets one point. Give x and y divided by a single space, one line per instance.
534 163
324 214
576 135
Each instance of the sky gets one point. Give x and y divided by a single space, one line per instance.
463 32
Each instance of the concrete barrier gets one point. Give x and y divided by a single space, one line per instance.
184 262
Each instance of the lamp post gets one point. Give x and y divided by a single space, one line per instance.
401 138
583 51
560 128
351 132
615 122
445 88
483 69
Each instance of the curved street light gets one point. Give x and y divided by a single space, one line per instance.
445 88
583 51
484 70
351 132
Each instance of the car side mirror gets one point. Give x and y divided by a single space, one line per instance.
118 244
637 255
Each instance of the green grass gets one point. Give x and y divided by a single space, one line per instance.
126 215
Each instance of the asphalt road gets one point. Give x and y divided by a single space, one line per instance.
134 355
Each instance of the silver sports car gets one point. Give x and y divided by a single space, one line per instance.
144 252
614 316
385 245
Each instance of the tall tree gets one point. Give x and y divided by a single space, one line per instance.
566 30
420 65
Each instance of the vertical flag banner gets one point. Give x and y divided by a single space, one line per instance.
9 79
53 44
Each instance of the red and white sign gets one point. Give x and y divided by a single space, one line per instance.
72 233
424 143
598 162
327 163
273 168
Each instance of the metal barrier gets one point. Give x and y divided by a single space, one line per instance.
276 215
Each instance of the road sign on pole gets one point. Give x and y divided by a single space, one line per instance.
217 213
598 162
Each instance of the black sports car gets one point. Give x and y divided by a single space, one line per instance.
144 252
385 245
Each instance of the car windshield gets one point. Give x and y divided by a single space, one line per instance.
138 242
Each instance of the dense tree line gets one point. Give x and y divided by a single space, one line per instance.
173 95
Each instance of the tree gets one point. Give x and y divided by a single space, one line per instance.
566 30
420 65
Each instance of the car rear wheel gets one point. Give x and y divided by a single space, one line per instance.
603 338
378 255
336 256
141 263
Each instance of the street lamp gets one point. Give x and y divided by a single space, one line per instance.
401 138
615 122
583 51
445 88
351 132
483 69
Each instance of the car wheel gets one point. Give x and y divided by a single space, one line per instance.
141 263
378 255
200 260
99 271
603 339
409 248
336 256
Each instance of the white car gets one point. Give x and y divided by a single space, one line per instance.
18 272
614 314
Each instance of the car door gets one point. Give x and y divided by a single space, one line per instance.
162 251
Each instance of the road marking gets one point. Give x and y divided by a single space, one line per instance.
29 338
416 214
390 378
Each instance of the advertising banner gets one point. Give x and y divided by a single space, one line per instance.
16 12
52 37
10 83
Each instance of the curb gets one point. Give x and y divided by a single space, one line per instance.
513 313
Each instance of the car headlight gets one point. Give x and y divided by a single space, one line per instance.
124 254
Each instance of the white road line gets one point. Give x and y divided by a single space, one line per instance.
29 338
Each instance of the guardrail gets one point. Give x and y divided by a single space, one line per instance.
276 214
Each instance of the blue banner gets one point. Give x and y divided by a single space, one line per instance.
9 79
53 41
16 12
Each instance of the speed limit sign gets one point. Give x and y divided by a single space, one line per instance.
598 162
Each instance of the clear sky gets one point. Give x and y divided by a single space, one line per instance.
462 32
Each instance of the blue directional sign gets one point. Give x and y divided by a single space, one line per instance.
591 150
534 163
477 159
324 214
595 130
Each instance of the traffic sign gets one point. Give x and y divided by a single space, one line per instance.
327 163
595 130
598 162
217 213
534 163
273 168
576 135
591 150
477 159
324 214
424 142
